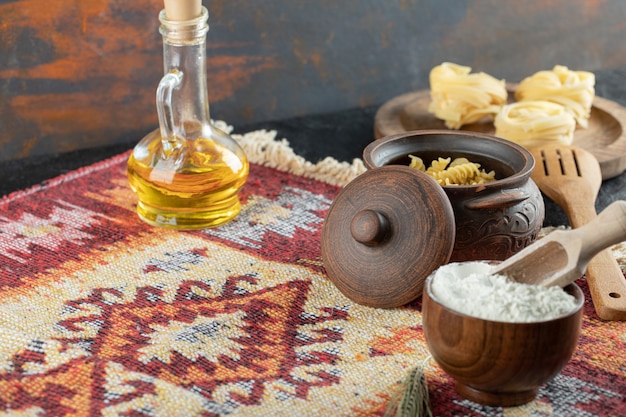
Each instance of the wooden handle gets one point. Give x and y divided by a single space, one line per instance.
604 276
604 230
607 286
580 214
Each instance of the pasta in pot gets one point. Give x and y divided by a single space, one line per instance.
459 171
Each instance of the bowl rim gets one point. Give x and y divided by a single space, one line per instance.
576 292
510 180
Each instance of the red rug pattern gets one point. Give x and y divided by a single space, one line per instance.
101 314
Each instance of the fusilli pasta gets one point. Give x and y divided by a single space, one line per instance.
459 171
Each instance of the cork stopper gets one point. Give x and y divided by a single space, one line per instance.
181 10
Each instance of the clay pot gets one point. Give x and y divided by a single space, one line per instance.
494 220
499 363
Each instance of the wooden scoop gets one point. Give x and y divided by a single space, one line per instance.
571 177
562 257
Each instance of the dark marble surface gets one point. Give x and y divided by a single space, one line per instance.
342 135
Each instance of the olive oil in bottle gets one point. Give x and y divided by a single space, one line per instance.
202 191
187 174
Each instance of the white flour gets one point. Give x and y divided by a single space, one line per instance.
470 288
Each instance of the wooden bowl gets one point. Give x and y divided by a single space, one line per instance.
497 363
494 220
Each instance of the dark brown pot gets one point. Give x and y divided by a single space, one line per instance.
494 220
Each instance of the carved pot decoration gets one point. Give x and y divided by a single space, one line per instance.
493 220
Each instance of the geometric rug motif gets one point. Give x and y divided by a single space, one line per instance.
101 314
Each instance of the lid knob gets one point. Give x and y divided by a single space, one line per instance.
369 227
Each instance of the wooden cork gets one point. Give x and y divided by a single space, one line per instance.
181 10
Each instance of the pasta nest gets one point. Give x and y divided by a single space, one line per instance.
574 90
534 123
460 97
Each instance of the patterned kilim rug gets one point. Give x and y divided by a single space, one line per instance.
101 314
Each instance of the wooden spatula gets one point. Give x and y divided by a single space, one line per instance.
571 177
562 256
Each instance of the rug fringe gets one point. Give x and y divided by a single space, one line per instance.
262 148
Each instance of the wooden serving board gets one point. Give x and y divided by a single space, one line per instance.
605 137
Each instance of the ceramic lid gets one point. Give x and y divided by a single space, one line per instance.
385 232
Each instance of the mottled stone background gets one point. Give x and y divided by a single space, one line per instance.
76 74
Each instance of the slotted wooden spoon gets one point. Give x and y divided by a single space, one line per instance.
561 257
571 177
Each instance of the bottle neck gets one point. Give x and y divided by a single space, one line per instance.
184 54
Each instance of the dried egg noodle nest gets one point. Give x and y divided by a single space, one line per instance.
535 123
459 97
574 90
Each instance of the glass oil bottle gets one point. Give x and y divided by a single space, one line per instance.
187 174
